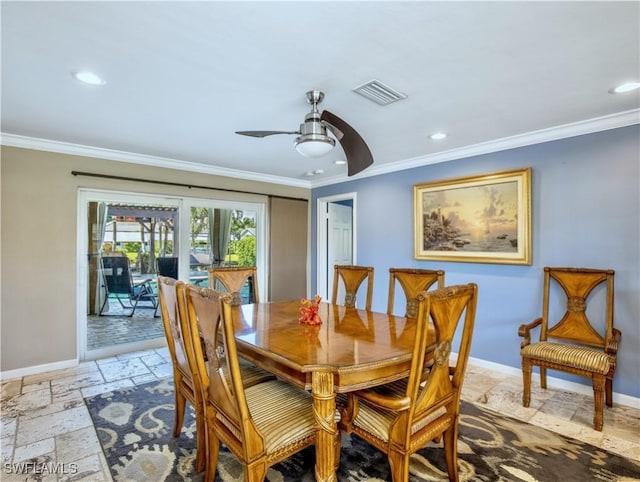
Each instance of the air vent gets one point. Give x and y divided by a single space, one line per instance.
379 93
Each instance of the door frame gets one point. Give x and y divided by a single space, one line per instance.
183 203
322 268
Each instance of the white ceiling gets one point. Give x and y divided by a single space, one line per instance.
183 76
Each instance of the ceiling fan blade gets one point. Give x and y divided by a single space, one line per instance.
355 149
264 133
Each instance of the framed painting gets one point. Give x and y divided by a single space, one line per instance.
481 219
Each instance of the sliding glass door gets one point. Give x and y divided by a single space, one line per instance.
125 240
221 237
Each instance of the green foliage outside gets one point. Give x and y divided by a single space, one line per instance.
239 224
245 250
199 222
241 250
132 247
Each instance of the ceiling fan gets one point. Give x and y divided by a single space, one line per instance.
314 141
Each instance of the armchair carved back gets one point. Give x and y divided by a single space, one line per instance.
575 325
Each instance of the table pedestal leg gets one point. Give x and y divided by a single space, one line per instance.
324 409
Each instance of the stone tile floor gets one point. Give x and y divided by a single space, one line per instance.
44 417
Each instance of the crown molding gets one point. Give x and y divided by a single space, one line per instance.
612 121
14 140
589 126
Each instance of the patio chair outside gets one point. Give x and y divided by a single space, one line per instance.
118 281
168 266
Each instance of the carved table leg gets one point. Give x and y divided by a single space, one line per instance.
324 409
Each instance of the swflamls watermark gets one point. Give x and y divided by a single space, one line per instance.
40 468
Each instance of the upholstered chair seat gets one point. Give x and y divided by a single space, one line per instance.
251 374
378 421
267 402
580 358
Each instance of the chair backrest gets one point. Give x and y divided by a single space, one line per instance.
175 327
168 266
232 279
412 281
352 277
116 273
225 394
575 326
447 308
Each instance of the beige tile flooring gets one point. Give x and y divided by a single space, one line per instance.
44 417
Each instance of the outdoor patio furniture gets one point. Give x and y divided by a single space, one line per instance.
168 266
119 284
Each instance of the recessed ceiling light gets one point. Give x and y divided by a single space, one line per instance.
88 77
437 136
626 87
319 171
308 173
339 162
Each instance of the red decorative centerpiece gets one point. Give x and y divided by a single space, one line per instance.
309 311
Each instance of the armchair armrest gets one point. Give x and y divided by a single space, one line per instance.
144 287
612 346
390 403
143 282
525 331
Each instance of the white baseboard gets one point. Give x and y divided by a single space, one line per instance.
47 367
553 382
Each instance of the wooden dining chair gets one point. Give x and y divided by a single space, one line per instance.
412 281
262 424
179 341
187 384
352 277
233 278
574 343
399 418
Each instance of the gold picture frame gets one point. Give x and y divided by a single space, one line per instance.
480 219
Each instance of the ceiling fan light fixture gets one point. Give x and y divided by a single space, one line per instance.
313 145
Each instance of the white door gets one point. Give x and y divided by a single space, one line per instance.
339 241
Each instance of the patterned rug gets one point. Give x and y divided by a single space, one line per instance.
135 424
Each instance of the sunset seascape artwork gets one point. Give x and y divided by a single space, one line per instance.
478 218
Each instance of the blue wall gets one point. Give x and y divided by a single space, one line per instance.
585 213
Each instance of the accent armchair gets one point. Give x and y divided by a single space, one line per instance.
577 347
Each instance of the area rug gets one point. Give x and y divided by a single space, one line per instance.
134 426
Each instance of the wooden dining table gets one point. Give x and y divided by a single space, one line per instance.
351 350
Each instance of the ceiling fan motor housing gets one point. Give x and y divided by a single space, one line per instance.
312 130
